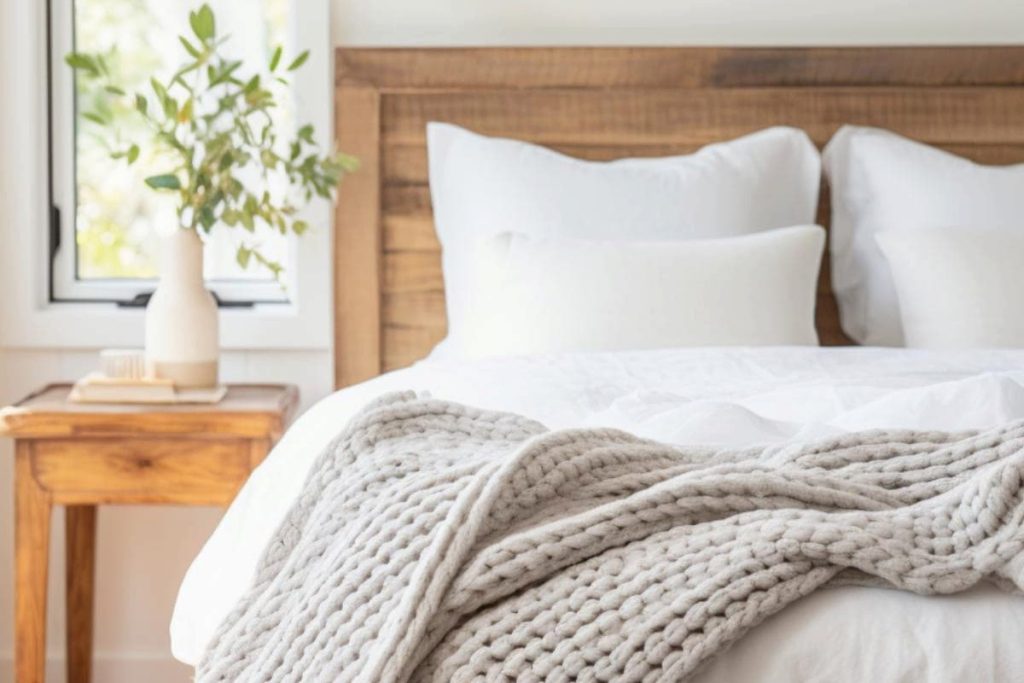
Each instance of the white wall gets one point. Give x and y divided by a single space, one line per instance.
144 551
678 22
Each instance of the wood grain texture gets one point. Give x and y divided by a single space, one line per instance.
406 165
185 471
84 455
670 67
258 451
695 117
607 103
248 410
31 565
80 579
357 290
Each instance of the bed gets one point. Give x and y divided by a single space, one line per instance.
603 103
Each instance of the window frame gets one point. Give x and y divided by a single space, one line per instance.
33 317
65 285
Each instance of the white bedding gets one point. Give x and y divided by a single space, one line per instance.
482 187
698 396
548 295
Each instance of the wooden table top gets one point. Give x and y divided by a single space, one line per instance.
248 410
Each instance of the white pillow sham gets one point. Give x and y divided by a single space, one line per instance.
483 186
959 289
544 295
881 181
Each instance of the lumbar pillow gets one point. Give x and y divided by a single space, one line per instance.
958 289
543 295
883 182
484 186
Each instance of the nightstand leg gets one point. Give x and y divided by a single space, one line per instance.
32 549
80 575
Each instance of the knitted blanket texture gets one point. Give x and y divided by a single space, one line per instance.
438 542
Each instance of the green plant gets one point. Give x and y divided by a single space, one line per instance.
213 125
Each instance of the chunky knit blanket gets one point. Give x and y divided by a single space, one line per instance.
436 542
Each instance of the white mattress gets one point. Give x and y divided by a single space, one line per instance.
728 397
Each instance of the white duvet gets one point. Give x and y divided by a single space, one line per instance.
727 397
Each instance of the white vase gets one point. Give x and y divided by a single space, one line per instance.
182 336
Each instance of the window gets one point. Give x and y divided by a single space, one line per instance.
105 235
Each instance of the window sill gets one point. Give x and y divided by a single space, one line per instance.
91 326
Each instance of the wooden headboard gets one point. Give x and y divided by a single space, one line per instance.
603 103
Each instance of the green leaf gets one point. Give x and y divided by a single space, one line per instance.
165 181
273 266
94 117
82 61
347 162
224 74
78 60
243 255
170 108
202 23
183 71
206 218
189 47
211 119
299 61
261 99
168 139
159 90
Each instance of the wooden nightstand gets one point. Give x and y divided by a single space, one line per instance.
84 455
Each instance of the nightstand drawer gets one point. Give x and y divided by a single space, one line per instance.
196 471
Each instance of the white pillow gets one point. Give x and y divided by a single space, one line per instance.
883 182
959 289
545 295
484 186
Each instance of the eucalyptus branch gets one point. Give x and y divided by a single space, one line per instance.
219 132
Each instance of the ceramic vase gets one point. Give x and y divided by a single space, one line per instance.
182 331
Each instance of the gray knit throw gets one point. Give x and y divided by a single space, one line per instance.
436 542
